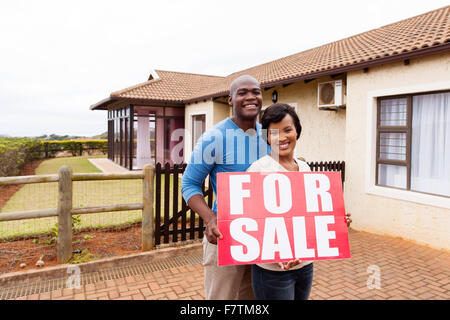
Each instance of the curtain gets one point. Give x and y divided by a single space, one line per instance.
430 145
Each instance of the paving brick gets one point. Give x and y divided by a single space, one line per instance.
408 271
130 279
79 296
56 294
33 297
157 297
154 286
138 297
45 296
129 293
89 287
96 295
146 291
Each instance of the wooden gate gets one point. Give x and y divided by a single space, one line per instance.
174 220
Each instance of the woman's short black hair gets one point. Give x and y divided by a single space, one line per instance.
276 112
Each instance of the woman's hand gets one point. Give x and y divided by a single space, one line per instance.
290 264
348 220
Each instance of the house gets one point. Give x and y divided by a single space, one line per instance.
379 100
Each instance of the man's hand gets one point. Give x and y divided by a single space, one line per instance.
212 232
198 204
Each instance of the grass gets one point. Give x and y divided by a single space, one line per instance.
85 194
77 164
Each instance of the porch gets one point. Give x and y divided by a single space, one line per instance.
144 134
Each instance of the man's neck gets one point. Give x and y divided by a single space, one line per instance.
244 124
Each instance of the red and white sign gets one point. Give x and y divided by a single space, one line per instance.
280 216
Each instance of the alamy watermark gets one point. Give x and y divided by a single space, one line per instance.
374 280
234 146
74 280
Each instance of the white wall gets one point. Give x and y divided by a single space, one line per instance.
422 218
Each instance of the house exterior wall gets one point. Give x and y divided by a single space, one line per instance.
323 132
221 112
410 215
214 112
202 107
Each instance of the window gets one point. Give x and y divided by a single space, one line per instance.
198 127
413 143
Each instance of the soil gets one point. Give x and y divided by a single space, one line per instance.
101 243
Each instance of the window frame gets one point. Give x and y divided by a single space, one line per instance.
193 117
395 129
399 129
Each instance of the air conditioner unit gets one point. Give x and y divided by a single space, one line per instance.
331 95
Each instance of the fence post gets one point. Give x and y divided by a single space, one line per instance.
64 246
148 231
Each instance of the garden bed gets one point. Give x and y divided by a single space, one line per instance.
94 244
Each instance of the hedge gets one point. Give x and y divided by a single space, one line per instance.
76 147
15 152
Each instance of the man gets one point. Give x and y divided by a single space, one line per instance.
232 145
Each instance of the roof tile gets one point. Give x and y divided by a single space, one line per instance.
414 34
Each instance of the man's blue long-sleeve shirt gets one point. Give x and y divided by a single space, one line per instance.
223 148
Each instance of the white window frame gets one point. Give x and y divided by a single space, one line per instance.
191 117
371 143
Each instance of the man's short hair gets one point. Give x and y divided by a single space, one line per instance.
233 84
276 112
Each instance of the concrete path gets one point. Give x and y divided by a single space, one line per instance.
107 166
405 271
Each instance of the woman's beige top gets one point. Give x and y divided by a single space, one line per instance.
269 164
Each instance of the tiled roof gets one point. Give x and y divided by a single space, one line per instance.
170 86
420 35
417 34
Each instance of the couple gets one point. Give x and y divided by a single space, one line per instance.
275 281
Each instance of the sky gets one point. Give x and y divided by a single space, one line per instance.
60 57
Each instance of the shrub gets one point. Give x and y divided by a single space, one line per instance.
76 147
15 152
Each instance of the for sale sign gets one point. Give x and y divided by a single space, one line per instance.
280 216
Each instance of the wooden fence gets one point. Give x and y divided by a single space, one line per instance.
179 225
64 210
176 225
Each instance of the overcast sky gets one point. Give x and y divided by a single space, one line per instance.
59 57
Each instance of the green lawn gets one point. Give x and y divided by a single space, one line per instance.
77 164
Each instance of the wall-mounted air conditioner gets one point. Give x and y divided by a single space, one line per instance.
331 95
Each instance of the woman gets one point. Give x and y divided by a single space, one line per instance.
285 280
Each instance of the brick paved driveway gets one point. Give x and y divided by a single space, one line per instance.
406 270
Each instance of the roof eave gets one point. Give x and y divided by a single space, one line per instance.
101 105
331 71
